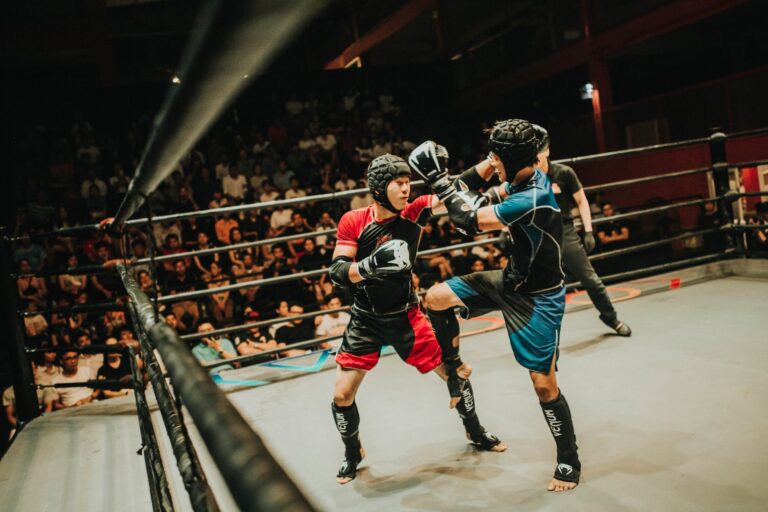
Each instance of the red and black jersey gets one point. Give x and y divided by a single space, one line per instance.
358 228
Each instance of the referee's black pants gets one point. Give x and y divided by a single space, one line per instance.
577 264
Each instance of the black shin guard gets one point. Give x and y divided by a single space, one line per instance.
475 431
558 416
466 409
446 327
347 422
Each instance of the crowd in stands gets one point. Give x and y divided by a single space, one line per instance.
311 146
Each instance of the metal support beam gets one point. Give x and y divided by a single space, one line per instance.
387 28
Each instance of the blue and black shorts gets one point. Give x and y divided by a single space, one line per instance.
532 320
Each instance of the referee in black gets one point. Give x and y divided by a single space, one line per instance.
568 190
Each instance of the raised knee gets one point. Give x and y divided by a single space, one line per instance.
432 300
545 393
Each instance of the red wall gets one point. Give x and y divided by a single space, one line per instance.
738 149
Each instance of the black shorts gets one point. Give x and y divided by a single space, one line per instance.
409 333
533 321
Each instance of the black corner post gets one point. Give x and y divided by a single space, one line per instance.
27 406
717 153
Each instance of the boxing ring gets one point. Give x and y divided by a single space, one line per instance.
669 419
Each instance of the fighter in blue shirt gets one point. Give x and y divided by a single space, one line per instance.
529 292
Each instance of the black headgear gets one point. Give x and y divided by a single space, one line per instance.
543 137
381 171
514 141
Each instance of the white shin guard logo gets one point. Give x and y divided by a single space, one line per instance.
565 469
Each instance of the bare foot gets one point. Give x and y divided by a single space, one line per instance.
348 470
454 402
501 447
560 486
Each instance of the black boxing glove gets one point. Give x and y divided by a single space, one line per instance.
462 209
589 242
389 258
430 165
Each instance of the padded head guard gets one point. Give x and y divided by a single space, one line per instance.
543 137
515 142
381 171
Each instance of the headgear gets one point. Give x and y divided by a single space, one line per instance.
515 142
381 171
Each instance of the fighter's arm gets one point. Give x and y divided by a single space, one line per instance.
344 268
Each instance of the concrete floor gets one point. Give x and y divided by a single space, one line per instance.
670 419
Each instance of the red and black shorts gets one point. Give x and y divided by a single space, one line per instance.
409 333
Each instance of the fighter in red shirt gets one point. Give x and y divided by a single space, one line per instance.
374 256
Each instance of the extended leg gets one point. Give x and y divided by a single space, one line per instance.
347 420
454 371
558 417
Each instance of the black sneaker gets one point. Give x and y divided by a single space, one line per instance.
620 327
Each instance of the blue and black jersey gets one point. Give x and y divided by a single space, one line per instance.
532 216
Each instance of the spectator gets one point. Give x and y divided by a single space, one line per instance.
234 185
186 201
89 362
248 271
295 191
92 181
26 250
326 144
107 284
114 368
70 284
171 246
35 323
254 342
613 234
282 176
72 372
363 199
221 304
212 348
244 163
224 226
31 287
708 219
296 331
280 219
202 262
48 368
307 142
269 193
298 226
179 282
344 182
325 243
364 151
257 178
236 255
332 324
